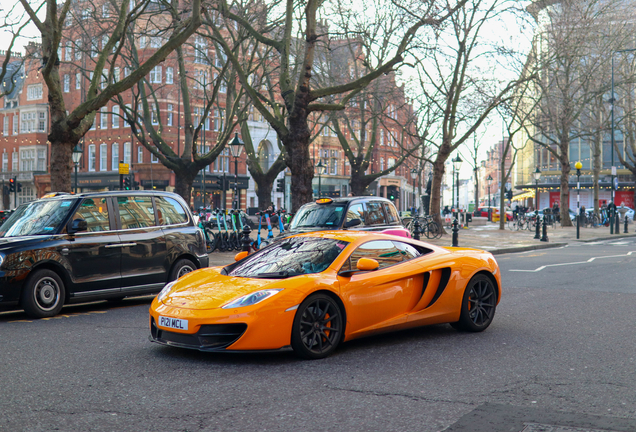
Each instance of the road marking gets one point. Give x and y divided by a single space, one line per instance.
538 269
61 316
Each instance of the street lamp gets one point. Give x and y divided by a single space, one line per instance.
236 147
414 176
76 154
457 163
578 167
489 180
320 170
537 175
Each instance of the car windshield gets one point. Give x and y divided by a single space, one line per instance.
319 216
290 257
36 218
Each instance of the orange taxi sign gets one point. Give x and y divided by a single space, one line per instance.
324 201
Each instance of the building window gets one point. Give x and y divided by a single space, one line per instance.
27 159
169 75
127 153
94 48
78 81
220 59
115 158
155 41
153 158
41 161
68 53
91 157
41 121
27 195
15 124
105 11
78 50
169 119
200 50
154 116
381 164
34 92
5 128
155 75
14 161
5 162
143 42
140 154
28 122
116 74
115 116
103 118
67 83
103 157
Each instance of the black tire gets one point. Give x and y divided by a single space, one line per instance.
43 294
318 327
180 268
478 305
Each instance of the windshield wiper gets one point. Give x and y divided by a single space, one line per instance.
275 275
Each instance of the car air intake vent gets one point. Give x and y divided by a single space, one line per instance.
445 277
208 338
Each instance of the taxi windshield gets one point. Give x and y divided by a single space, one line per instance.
291 257
36 218
318 216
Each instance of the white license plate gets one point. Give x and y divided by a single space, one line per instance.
175 323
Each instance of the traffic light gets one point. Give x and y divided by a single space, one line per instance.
392 192
135 184
509 194
11 185
19 187
126 183
280 185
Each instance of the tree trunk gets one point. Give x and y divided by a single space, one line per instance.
299 161
183 179
264 194
358 185
61 166
596 171
565 190
436 188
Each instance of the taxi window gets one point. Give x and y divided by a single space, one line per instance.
375 214
136 212
356 211
95 213
383 251
169 211
392 216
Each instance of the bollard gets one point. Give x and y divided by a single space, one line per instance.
625 231
537 236
617 230
455 233
416 229
577 221
545 230
246 240
611 218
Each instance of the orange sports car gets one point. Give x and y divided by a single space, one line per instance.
313 291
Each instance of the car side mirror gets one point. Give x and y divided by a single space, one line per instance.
239 256
77 225
367 264
352 223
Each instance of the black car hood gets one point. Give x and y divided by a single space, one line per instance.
13 242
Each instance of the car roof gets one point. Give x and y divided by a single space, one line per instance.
344 200
64 195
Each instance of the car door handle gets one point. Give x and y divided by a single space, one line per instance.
120 245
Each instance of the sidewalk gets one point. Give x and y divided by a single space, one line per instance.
489 237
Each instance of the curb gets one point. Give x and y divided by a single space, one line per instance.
526 248
610 237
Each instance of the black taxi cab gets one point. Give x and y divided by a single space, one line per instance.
67 248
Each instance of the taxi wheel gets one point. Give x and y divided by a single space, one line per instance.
181 267
318 327
478 305
43 294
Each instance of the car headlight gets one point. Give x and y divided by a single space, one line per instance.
165 290
252 299
1 259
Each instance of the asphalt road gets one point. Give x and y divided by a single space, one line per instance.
560 356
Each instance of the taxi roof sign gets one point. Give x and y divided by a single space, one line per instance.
324 201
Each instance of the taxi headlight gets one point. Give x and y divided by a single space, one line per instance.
252 299
165 290
1 259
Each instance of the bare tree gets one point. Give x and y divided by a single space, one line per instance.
453 82
571 52
67 22
296 57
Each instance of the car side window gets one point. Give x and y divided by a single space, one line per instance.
408 252
136 212
356 211
392 216
169 211
375 214
95 213
383 251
